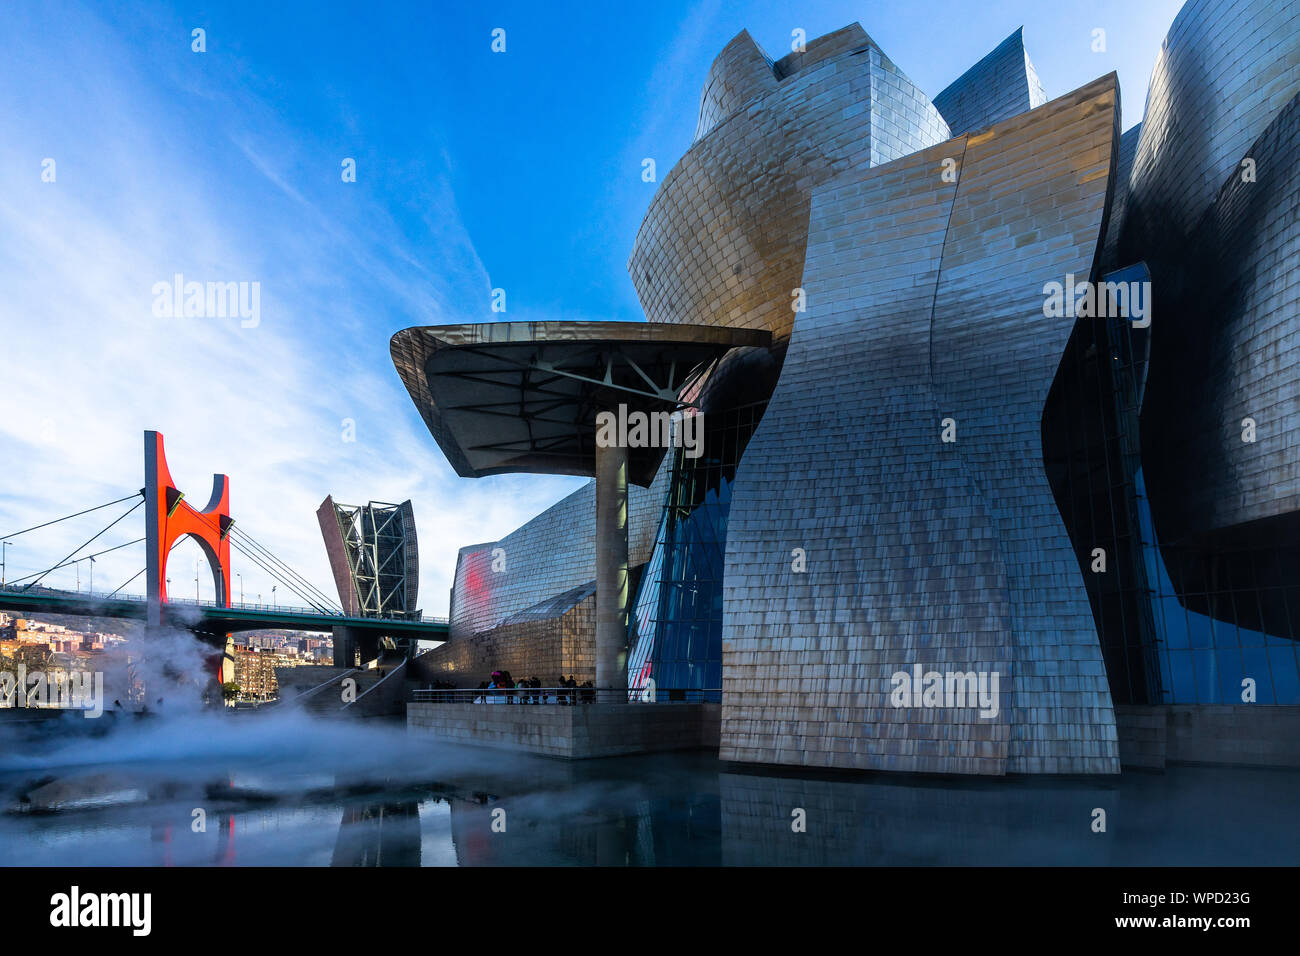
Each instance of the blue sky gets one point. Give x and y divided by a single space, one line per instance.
475 170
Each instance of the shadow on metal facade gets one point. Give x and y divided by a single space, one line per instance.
824 172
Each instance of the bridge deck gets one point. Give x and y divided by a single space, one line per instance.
210 618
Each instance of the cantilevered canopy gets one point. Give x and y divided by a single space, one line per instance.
523 396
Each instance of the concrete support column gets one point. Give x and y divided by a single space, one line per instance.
611 567
346 644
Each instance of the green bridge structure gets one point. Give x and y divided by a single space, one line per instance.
214 621
168 519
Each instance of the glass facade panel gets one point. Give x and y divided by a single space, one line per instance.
676 621
1178 623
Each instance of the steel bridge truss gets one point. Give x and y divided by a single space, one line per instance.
380 544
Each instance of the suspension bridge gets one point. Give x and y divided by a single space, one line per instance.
169 519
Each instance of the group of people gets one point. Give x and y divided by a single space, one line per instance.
502 688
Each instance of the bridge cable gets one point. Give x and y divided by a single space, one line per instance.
237 545
66 564
271 571
141 571
261 556
290 579
252 556
92 538
250 548
252 542
126 582
77 515
319 595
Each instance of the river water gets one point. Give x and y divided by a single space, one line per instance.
284 789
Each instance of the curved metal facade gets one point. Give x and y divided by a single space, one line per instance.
1225 70
1213 210
547 556
723 240
1002 85
1216 243
844 540
1234 355
951 556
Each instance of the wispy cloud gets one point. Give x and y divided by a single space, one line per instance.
159 173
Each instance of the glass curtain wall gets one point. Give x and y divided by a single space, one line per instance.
1229 625
676 621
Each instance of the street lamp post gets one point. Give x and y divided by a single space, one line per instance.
3 545
77 566
241 588
273 587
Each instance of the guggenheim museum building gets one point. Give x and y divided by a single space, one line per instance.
963 433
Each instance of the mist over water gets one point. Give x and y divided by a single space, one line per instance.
195 786
275 787
274 736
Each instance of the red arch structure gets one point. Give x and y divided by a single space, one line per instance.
169 517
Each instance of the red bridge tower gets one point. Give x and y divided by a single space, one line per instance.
168 516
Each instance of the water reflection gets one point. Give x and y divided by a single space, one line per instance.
386 833
592 819
401 801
